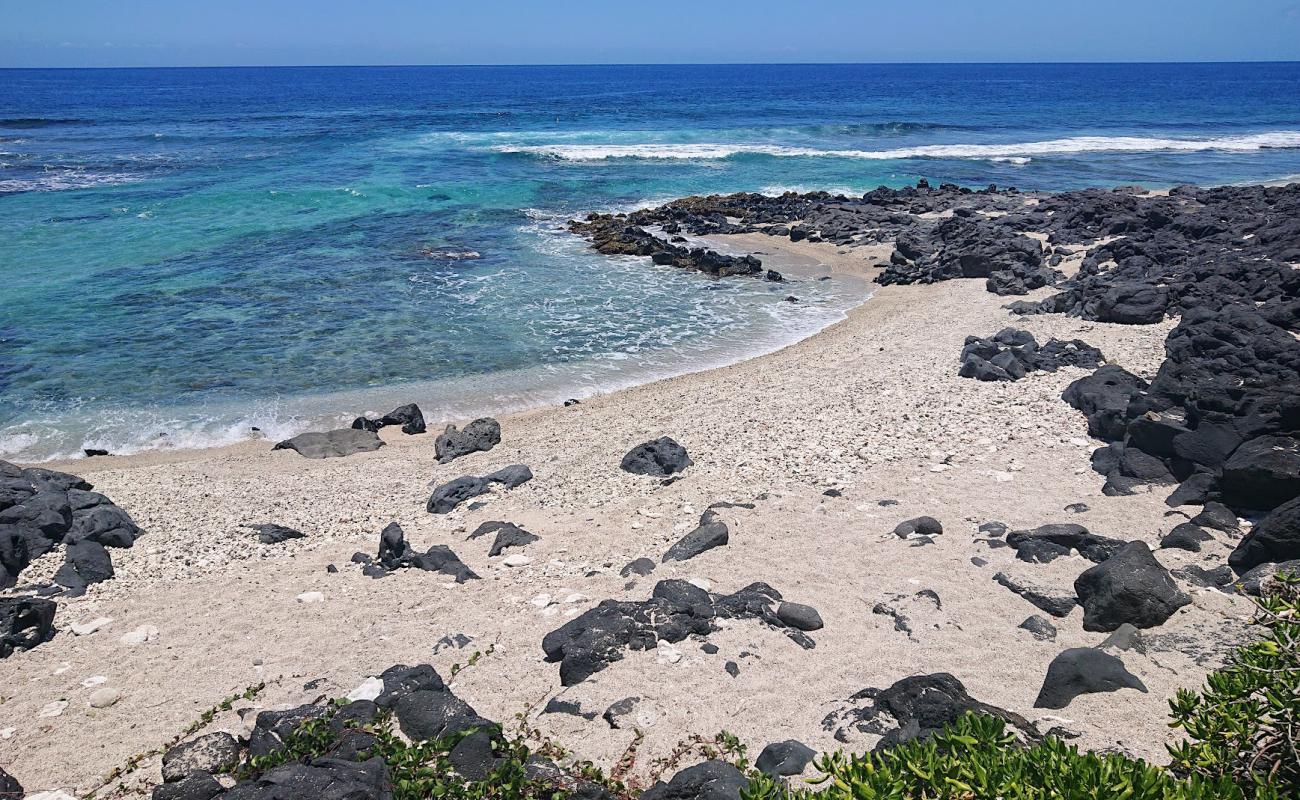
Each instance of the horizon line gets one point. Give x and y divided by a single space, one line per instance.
658 64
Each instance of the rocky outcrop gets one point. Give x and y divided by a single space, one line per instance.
42 509
1047 542
1275 539
1011 354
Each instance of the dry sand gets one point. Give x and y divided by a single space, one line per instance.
871 406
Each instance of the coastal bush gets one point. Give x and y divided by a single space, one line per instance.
1243 729
1245 724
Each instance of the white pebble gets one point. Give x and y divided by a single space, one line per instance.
93 681
52 709
517 560
577 597
142 634
311 597
667 654
87 628
369 689
103 698
700 583
541 601
7 733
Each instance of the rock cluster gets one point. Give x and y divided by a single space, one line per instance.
1011 354
396 553
41 509
409 417
676 609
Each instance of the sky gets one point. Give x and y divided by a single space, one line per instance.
110 33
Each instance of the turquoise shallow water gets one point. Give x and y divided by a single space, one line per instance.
189 253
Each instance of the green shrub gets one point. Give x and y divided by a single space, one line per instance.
1245 724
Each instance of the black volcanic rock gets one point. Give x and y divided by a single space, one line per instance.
660 457
1083 670
1130 586
480 435
915 708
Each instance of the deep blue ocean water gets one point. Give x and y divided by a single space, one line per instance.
192 252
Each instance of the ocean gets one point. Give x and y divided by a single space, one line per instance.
187 254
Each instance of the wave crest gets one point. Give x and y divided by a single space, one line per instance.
1001 152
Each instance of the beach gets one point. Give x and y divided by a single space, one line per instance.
815 436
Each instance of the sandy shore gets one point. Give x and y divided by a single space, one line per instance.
871 406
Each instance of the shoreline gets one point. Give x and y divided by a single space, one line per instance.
806 266
817 452
192 503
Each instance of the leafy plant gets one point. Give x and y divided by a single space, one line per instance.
1245 724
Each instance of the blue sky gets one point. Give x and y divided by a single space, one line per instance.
230 32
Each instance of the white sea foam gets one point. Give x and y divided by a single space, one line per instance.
1009 152
61 181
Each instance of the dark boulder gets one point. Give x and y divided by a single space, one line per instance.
25 622
212 752
433 714
1065 536
318 779
712 532
1186 536
799 616
1276 538
480 435
1083 670
1263 473
198 786
659 457
408 416
781 759
1039 627
1130 586
1133 304
270 533
86 562
915 708
712 780
447 496
925 526
1103 397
